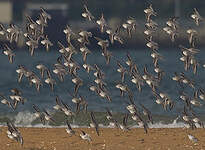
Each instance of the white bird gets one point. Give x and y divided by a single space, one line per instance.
192 138
85 136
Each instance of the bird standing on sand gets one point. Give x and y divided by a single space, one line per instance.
85 136
149 12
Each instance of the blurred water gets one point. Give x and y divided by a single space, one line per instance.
46 98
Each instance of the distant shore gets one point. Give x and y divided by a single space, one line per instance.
109 139
137 40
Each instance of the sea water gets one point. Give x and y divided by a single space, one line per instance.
24 114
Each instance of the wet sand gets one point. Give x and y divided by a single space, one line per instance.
109 139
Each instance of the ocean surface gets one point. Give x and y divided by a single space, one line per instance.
24 114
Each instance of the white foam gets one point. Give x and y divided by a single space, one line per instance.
155 125
174 124
24 118
171 125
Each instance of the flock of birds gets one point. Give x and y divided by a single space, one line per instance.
66 65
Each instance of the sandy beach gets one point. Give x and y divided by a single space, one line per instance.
109 139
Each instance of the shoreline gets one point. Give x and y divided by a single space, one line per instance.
109 139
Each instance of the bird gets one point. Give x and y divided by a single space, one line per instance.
22 71
151 24
78 82
32 44
124 88
102 43
160 72
140 121
113 122
201 94
121 70
7 51
3 31
42 23
196 120
16 91
138 80
14 133
171 32
35 79
61 106
13 33
5 101
58 105
107 54
60 71
149 12
88 67
94 123
130 63
196 17
156 57
114 35
85 37
42 69
195 101
192 138
17 99
132 22
102 23
192 33
149 32
99 73
152 45
87 14
48 117
49 80
32 27
124 126
39 114
45 14
72 66
130 25
46 42
67 110
85 136
147 113
68 32
85 51
82 102
128 28
69 130
172 22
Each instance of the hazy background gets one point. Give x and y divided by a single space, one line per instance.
115 11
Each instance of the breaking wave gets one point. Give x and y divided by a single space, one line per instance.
28 119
